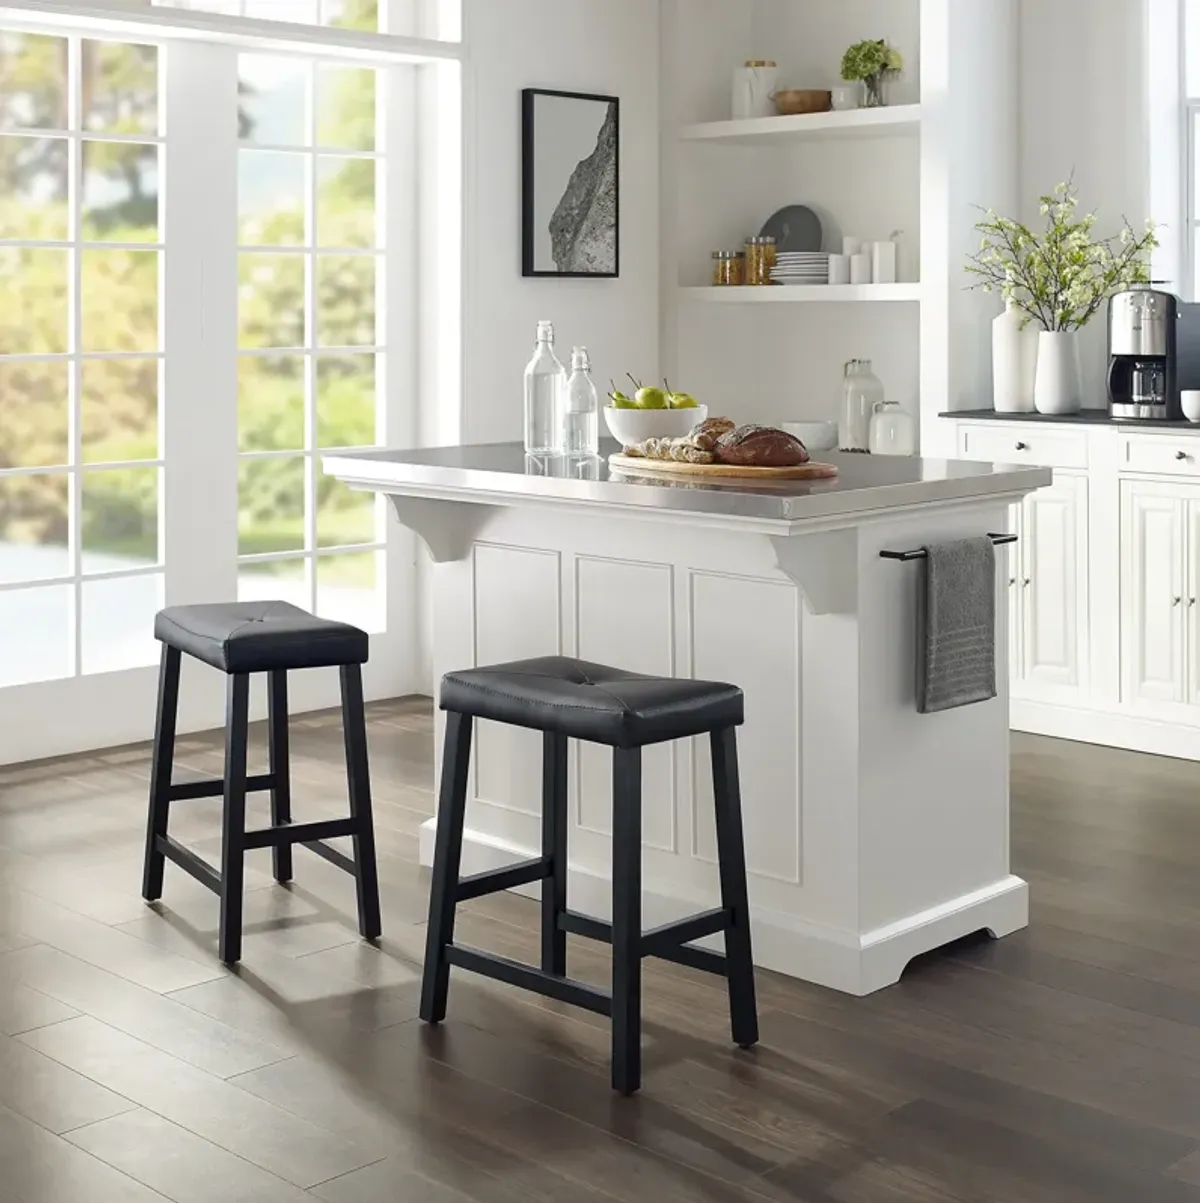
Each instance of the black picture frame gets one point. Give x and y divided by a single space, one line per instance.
530 218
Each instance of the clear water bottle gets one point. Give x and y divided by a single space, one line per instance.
545 396
861 393
581 415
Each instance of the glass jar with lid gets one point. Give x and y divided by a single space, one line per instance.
893 431
761 256
862 391
729 268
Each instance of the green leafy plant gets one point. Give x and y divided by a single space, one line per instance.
1061 277
872 62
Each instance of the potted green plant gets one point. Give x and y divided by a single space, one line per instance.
872 63
1060 279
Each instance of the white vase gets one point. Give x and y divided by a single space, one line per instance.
1014 363
754 87
1059 385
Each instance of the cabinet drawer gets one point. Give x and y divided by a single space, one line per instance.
1043 446
1172 455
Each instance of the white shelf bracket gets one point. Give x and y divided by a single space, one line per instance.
824 567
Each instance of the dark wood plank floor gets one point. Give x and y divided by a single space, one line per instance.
1059 1066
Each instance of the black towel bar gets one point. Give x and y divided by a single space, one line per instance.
906 557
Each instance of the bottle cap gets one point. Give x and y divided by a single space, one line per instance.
580 360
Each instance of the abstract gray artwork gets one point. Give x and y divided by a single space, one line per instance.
571 184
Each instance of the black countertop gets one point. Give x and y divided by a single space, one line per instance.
1085 417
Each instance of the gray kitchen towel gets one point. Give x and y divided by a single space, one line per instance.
956 661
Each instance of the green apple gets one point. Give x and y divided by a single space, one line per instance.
619 399
682 401
651 398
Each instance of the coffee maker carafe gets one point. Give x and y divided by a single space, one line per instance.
1143 356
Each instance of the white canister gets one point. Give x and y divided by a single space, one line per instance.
846 97
860 269
839 269
892 430
754 88
1190 400
1014 362
883 262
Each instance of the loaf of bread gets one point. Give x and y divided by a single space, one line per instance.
760 447
705 436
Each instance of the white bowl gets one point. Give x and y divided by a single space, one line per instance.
632 426
1191 404
816 436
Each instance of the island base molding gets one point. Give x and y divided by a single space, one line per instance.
838 960
1106 728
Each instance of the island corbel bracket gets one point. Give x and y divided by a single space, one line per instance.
824 567
448 528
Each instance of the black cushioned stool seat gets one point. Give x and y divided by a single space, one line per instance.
571 699
256 637
269 637
594 703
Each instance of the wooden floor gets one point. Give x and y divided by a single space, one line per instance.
1060 1065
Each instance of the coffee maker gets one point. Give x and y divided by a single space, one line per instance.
1143 356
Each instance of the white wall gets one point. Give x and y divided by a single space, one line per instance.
1083 98
609 47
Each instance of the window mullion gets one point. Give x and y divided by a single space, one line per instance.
200 287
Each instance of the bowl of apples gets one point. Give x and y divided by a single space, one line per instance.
651 413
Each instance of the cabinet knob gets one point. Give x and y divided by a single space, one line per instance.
1027 582
1181 455
1191 602
1177 601
1012 580
1022 446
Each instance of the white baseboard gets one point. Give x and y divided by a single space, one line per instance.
839 960
1106 728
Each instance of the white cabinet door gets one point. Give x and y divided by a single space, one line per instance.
1152 578
1192 600
1010 565
1054 584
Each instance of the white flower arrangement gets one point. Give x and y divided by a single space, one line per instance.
1062 277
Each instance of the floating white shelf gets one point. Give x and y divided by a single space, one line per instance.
791 294
856 123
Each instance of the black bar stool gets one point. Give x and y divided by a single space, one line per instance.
568 699
270 637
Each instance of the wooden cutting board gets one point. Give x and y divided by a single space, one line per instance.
718 472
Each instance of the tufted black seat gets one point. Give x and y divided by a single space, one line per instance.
259 637
594 703
572 699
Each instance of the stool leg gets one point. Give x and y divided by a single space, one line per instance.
554 848
731 853
627 921
443 894
280 770
366 873
233 830
160 772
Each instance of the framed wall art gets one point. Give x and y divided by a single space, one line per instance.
571 144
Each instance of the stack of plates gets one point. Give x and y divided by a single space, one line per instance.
801 267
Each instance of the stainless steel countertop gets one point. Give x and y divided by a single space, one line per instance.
501 474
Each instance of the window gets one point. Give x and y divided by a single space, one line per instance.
340 14
81 568
310 356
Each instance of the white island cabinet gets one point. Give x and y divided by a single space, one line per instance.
873 833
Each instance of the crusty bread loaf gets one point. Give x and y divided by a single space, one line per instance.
705 436
761 447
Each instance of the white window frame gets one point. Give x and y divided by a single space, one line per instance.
198 521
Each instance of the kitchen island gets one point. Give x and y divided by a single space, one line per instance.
873 833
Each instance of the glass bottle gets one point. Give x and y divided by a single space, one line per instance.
892 430
581 414
861 392
545 393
